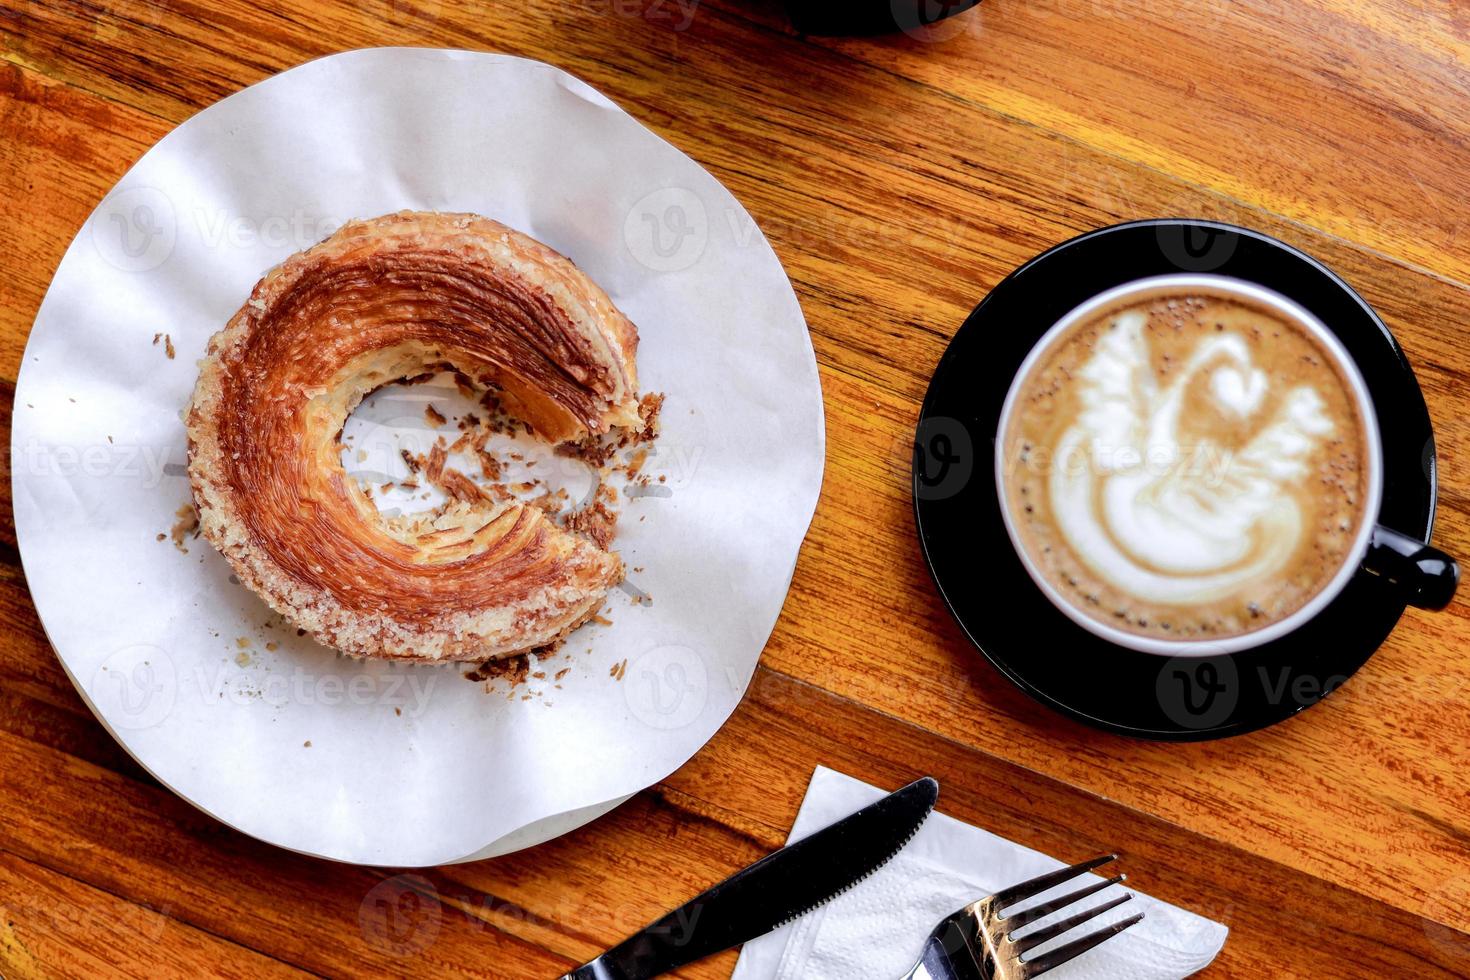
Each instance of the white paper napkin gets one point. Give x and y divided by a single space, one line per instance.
876 929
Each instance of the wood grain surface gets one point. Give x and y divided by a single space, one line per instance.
898 180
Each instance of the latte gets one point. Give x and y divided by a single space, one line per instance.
1186 466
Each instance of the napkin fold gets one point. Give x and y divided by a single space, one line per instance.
875 930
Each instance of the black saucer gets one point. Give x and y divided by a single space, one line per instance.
1007 616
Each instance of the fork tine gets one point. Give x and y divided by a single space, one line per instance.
1046 908
1056 957
1036 886
1048 933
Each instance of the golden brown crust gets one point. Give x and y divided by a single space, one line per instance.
382 300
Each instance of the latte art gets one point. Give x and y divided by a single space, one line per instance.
1179 536
1186 467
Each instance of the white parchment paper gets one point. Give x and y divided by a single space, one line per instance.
383 763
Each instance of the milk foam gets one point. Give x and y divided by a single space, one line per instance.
1138 514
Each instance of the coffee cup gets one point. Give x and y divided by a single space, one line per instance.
1191 465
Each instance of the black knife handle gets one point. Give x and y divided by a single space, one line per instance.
674 941
661 947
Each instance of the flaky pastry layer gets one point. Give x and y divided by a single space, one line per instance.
379 301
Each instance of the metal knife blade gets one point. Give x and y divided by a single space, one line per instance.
776 889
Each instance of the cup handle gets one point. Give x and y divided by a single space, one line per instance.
1425 575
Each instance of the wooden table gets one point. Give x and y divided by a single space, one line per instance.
898 180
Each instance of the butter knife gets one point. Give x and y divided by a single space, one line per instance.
773 891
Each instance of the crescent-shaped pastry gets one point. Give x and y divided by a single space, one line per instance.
379 301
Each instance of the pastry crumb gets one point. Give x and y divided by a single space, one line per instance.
186 526
513 670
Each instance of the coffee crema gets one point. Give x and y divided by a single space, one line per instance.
1186 467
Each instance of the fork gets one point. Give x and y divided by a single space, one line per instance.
978 942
